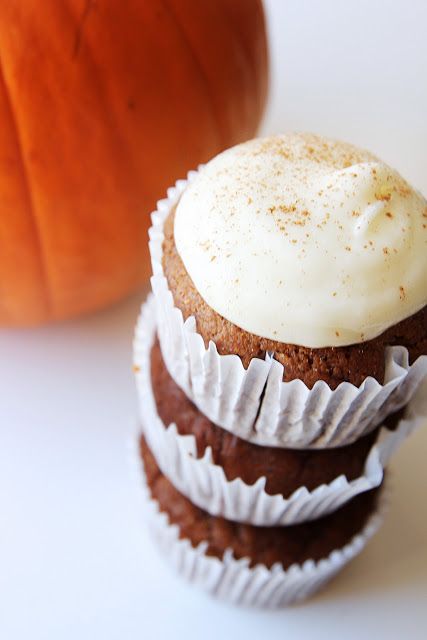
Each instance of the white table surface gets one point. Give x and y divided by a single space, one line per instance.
75 559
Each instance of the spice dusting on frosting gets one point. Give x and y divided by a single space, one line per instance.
270 228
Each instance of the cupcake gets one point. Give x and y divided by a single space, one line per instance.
259 566
276 361
303 259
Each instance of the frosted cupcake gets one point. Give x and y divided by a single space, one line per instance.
305 260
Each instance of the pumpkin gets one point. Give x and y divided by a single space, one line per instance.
103 105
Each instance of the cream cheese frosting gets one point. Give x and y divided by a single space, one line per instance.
304 240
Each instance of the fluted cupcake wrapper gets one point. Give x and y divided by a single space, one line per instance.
205 483
234 580
254 403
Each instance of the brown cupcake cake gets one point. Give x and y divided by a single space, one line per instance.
302 189
300 257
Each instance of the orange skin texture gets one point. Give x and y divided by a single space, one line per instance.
103 105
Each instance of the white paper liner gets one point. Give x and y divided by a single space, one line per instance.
234 580
255 403
205 483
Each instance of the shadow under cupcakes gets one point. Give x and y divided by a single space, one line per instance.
287 546
352 363
285 470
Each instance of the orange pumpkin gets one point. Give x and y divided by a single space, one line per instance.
103 104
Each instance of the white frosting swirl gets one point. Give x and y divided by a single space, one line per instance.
305 240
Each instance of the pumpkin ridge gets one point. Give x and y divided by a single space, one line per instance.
89 4
98 80
201 71
260 79
29 198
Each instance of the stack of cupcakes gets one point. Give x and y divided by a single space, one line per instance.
277 362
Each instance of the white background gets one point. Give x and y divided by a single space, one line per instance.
75 559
